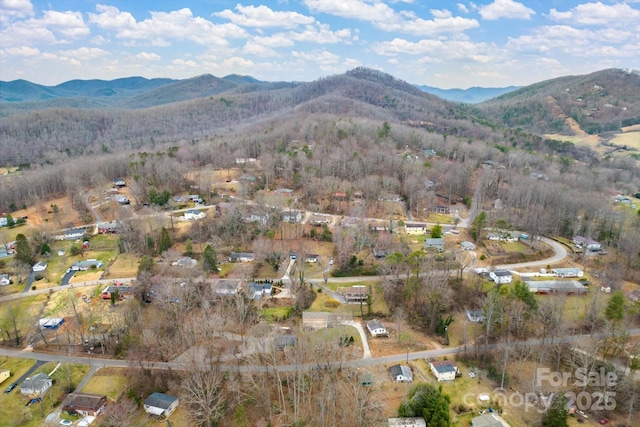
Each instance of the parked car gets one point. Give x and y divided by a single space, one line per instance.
11 387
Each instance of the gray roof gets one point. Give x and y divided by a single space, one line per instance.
487 420
443 367
160 400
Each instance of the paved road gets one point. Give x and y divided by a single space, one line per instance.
383 360
560 254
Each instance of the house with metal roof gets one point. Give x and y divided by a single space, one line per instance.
160 404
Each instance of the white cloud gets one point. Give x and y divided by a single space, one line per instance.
364 10
598 14
505 9
462 8
52 28
148 56
438 51
70 24
236 62
84 53
21 51
423 27
263 17
163 27
15 9
256 49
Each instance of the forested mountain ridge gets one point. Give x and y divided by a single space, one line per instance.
472 95
600 102
54 134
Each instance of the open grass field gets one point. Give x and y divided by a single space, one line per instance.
630 139
111 382
124 265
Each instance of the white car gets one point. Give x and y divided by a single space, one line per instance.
66 423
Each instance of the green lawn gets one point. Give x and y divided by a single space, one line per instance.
113 386
279 313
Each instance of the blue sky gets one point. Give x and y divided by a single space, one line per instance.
438 43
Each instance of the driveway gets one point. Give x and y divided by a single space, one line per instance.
67 276
363 337
30 279
28 373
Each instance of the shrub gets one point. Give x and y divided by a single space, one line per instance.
483 257
33 287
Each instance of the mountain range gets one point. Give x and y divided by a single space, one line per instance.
139 92
88 116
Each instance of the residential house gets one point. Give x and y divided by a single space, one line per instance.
40 266
312 258
36 385
72 234
443 370
4 375
567 272
123 200
292 216
354 294
3 221
407 422
160 404
319 319
587 242
194 214
227 287
283 340
437 243
258 217
467 246
86 264
119 182
339 196
320 220
401 373
257 291
415 228
501 277
489 419
568 287
241 257
185 262
124 292
5 279
376 329
108 228
475 316
84 404
379 226
285 192
440 209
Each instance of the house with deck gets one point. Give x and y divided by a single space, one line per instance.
160 405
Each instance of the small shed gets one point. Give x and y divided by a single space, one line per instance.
4 374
